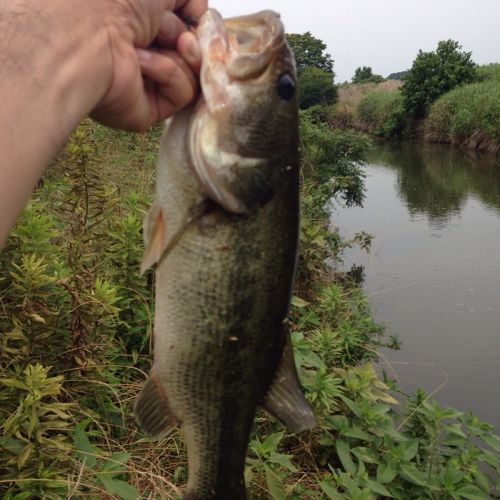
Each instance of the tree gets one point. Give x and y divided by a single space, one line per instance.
316 87
435 73
310 52
315 73
365 74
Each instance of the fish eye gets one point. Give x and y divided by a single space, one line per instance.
286 87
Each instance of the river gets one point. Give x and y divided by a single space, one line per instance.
433 273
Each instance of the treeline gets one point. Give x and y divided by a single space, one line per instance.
444 97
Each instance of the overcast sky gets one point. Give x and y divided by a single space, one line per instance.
384 34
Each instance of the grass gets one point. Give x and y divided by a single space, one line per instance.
75 323
469 115
350 95
382 113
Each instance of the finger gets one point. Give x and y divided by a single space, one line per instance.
176 85
171 27
194 8
189 49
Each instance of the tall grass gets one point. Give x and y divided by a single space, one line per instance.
489 72
345 113
468 115
382 113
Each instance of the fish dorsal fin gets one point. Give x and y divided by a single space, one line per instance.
156 239
152 410
285 399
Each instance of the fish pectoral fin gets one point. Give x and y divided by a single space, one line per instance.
153 413
158 243
154 237
285 399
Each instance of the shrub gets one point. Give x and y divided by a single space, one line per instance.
365 74
435 73
383 113
316 87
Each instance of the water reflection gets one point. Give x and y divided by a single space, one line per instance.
437 180
433 275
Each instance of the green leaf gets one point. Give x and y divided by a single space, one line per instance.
378 488
344 453
275 484
413 475
116 462
331 491
120 488
271 442
456 430
385 473
410 449
492 440
357 433
23 496
13 445
352 406
365 454
472 493
284 460
298 302
83 447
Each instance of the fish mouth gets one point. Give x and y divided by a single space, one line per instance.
244 46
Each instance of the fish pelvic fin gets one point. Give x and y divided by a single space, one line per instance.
285 399
153 413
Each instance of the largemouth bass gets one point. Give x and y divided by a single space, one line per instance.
223 232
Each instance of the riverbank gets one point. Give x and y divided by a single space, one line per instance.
467 116
76 323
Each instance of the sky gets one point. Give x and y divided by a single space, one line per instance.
384 34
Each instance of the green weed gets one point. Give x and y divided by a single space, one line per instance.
75 323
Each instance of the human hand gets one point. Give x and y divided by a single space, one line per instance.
148 84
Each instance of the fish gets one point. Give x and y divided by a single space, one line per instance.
223 234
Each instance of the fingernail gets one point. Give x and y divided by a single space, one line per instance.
143 55
193 50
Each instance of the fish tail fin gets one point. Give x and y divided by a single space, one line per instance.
285 399
153 413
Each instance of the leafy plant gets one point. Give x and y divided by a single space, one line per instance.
365 74
383 113
435 73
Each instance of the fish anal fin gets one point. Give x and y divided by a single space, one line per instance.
154 237
153 413
285 399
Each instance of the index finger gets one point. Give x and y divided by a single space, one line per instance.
191 8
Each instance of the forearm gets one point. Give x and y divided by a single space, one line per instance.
49 81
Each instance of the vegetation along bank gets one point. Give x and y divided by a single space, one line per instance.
445 97
75 324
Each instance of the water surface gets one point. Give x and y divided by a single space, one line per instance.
433 275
